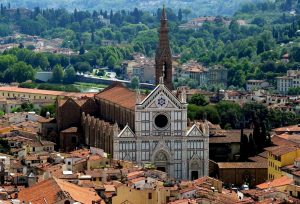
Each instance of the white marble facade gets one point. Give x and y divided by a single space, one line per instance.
162 137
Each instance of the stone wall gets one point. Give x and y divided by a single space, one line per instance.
98 133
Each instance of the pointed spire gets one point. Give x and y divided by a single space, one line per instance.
164 14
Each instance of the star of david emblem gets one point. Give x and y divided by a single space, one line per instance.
161 102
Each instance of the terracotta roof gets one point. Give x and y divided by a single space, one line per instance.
242 165
70 130
258 159
280 141
44 92
291 128
296 173
134 174
120 95
281 150
53 190
282 181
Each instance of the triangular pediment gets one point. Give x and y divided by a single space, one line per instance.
161 97
126 133
194 132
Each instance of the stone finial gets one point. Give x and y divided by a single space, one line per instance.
138 96
183 95
161 80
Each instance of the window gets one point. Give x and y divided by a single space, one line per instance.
178 150
127 147
178 170
145 151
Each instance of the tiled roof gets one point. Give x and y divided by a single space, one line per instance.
291 128
242 165
276 183
280 141
281 150
44 92
70 130
48 191
120 95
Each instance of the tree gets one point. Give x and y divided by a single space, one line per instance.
252 146
244 148
19 72
83 67
230 114
70 75
260 47
135 82
49 108
179 15
57 74
111 62
199 100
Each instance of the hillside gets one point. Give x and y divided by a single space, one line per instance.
197 7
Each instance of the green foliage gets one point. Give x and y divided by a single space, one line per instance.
58 74
208 112
50 108
19 72
199 100
135 83
294 91
70 75
230 114
58 87
29 85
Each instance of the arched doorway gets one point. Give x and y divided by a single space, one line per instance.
161 161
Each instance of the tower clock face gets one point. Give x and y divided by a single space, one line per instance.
161 101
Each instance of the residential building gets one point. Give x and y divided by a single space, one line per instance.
217 75
239 173
291 80
283 154
56 191
204 76
252 84
12 92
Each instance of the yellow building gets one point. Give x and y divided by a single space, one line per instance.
280 156
126 194
36 94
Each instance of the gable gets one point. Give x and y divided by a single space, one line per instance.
194 132
126 133
162 101
161 91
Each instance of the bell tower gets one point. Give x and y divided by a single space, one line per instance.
163 56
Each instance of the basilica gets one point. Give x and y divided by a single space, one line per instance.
161 136
145 129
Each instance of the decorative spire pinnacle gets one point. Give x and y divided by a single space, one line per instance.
138 96
161 80
164 14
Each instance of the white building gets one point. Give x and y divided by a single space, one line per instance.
252 84
292 79
163 138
